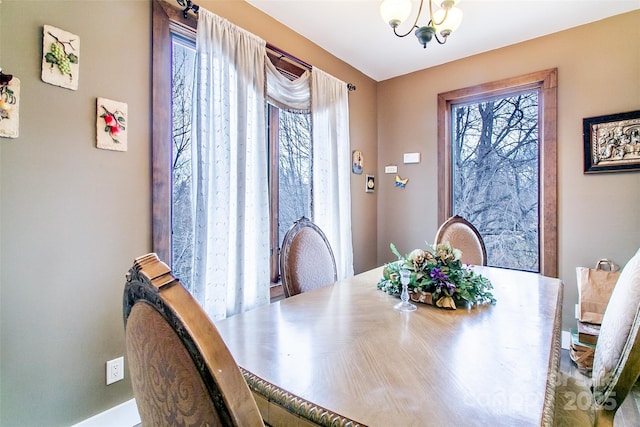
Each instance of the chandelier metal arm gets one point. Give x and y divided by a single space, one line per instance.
444 18
443 41
415 23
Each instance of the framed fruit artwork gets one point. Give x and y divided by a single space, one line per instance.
60 57
9 105
111 125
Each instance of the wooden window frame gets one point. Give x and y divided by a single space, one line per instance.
167 19
546 82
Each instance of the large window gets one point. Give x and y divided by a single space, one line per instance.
173 84
182 81
494 170
290 174
497 167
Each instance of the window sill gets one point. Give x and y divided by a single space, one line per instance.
276 292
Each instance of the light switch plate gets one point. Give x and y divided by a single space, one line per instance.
391 169
412 157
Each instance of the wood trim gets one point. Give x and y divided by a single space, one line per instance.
167 18
547 82
161 132
274 199
276 292
296 407
287 68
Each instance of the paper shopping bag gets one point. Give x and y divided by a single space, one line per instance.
594 290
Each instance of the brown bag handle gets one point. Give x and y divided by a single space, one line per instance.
610 265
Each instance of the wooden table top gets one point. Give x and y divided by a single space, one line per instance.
344 349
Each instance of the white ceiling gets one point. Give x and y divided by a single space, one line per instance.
354 31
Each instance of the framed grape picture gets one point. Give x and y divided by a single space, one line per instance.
60 57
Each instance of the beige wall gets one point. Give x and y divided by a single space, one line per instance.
74 217
598 73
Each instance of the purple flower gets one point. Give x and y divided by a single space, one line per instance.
451 288
437 275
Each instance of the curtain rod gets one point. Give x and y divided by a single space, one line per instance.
284 54
189 5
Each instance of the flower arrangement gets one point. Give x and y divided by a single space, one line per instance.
437 271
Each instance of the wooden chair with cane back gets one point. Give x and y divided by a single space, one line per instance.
306 259
181 370
461 234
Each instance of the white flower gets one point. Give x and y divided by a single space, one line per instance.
417 256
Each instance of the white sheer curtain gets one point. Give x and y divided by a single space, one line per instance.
332 166
231 251
285 93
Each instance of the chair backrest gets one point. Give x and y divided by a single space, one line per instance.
461 234
306 259
616 363
181 370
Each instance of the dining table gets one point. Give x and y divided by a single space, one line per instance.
341 355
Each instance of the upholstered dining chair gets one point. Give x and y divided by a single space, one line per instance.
181 371
461 234
306 259
616 363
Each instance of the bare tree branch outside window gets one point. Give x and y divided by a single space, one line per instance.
495 181
183 61
294 183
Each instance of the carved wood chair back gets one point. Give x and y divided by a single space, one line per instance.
181 370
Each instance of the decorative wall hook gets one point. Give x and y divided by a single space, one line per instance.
188 5
5 78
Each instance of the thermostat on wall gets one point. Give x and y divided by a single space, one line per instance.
412 158
391 169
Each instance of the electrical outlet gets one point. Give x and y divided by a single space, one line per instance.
115 370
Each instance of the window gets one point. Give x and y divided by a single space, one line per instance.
182 84
290 174
289 138
170 33
497 167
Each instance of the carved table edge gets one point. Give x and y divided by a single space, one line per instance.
296 405
553 376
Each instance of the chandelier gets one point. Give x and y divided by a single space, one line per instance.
443 22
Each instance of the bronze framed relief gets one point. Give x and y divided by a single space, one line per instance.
612 142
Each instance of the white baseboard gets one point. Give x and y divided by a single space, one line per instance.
122 415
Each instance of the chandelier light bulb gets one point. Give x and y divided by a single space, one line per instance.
440 25
450 24
446 4
394 12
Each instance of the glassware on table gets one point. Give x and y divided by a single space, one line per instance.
404 304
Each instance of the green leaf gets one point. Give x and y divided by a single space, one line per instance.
72 58
50 58
395 251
